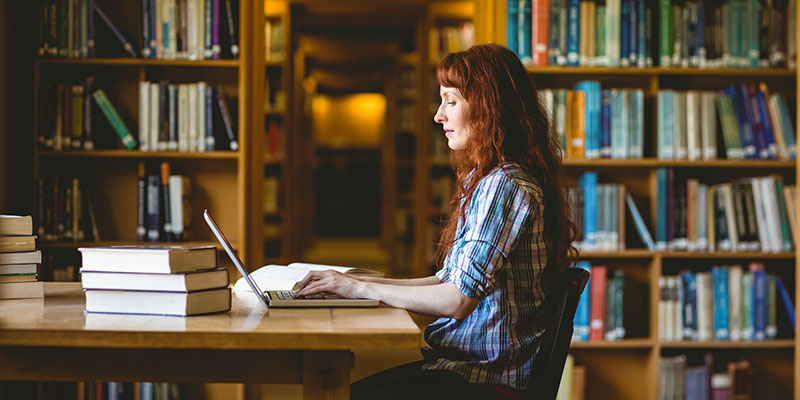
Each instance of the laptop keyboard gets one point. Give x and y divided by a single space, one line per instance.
289 295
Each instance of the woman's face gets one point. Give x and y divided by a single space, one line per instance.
452 114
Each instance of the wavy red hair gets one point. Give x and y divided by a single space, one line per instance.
508 124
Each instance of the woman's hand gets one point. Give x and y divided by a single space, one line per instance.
330 281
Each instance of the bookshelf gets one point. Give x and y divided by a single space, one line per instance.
222 180
629 368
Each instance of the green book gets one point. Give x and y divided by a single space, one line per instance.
772 308
114 119
665 33
600 36
619 283
611 331
783 215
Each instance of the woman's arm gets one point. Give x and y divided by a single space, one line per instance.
425 296
428 280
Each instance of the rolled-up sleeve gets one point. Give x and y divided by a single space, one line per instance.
495 220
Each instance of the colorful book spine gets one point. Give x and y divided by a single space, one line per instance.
719 277
598 303
581 319
573 32
114 119
512 26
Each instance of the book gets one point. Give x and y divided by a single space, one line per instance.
21 290
641 228
183 282
597 306
16 225
286 277
148 259
158 303
30 257
11 269
17 278
13 244
125 43
114 119
226 118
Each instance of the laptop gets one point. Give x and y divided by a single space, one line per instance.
282 298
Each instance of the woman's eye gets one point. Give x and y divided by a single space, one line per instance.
451 103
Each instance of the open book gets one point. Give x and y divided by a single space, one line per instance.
285 277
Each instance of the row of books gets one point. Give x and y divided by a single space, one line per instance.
18 258
171 29
174 280
727 303
638 33
598 211
592 123
678 381
599 315
273 142
749 214
67 118
182 117
450 39
274 46
164 205
64 211
754 124
573 381
274 94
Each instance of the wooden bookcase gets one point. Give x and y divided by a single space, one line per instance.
628 369
222 181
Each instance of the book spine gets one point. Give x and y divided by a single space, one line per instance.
153 44
77 116
146 15
210 138
573 32
141 208
540 31
512 26
226 118
605 124
126 45
144 116
759 301
232 15
590 209
154 117
165 203
582 313
215 46
665 33
88 134
788 306
208 38
153 208
619 284
163 116
771 330
610 330
597 303
761 107
554 50
172 94
114 119
721 313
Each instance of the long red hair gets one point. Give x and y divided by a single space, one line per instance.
508 124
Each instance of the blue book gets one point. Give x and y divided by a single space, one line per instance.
786 301
766 124
661 209
633 36
688 306
625 33
112 391
719 276
754 120
605 124
152 27
589 185
554 36
146 15
643 34
512 26
592 113
146 391
666 118
573 32
641 228
758 281
580 332
525 32
745 129
699 34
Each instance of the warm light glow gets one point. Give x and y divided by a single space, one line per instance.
355 120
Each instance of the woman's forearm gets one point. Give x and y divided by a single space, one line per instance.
428 280
437 300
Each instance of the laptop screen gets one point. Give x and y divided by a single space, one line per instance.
232 255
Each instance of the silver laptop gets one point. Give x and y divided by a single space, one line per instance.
282 298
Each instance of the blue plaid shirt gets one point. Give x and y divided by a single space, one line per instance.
498 257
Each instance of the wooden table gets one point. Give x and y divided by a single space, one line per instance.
51 339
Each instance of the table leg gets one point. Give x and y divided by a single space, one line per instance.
326 374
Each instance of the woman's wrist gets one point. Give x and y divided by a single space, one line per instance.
363 289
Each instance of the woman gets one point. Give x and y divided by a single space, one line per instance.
503 250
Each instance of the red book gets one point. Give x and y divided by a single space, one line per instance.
541 29
597 314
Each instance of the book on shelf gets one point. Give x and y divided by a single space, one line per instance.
65 116
271 195
599 315
274 47
573 381
746 214
751 124
164 205
114 119
286 277
643 34
65 212
182 282
454 38
599 213
158 302
126 45
729 303
14 225
148 259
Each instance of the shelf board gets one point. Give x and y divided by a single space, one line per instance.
788 255
767 344
273 113
224 155
104 243
732 72
141 62
644 343
654 163
273 63
274 162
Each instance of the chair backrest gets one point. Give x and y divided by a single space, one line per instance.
549 363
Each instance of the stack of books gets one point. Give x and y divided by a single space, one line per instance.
171 280
18 259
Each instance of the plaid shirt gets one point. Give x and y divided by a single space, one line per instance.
498 257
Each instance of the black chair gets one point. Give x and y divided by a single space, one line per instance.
549 364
